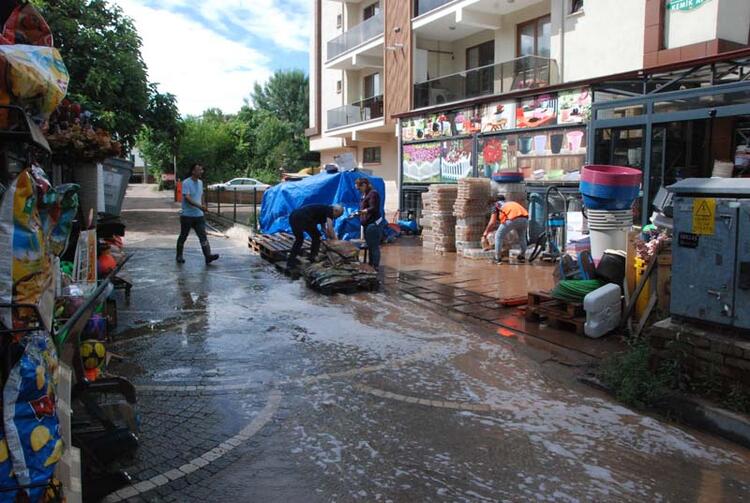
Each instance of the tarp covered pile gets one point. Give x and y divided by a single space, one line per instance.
340 270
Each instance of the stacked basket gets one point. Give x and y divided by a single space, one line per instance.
440 232
471 211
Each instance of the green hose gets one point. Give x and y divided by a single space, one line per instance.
574 290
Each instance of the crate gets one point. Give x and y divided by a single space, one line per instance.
556 313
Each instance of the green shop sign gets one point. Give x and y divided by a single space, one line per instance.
684 4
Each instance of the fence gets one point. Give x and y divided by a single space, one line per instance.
239 206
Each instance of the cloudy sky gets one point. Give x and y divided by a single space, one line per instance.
210 52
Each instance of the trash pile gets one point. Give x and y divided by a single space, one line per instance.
439 233
340 270
471 211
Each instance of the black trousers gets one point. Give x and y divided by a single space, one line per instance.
198 224
300 226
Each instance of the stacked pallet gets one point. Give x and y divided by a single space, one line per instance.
440 233
471 211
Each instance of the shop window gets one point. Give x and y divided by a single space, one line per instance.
576 6
371 155
421 163
371 11
534 37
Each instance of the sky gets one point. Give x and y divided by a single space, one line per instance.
209 53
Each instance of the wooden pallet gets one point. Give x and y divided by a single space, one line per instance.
274 247
556 313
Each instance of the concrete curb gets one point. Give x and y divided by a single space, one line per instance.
694 412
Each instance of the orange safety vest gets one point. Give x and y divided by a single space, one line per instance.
510 211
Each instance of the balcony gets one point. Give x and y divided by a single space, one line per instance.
425 6
356 36
361 111
528 72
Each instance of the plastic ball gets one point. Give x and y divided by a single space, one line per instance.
93 354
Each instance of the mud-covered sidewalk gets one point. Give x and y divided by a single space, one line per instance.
253 388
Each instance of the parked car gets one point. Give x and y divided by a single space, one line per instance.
241 184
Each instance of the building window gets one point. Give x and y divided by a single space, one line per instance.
338 87
339 20
370 11
534 37
576 6
371 155
372 86
481 81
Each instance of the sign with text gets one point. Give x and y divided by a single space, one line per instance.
684 4
704 216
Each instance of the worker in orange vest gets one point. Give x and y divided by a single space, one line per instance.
506 217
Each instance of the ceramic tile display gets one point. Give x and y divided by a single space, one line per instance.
574 106
421 163
538 111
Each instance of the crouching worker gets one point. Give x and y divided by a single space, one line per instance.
506 217
306 220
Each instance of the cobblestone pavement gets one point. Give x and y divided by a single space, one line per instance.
253 388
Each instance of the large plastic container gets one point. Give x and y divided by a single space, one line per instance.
618 176
609 187
608 230
603 309
116 174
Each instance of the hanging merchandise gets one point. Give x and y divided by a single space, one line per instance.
26 25
30 424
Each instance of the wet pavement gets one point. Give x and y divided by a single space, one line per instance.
253 388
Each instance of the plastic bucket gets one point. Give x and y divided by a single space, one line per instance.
608 231
540 144
608 197
619 176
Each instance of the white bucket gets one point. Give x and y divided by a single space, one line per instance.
608 230
723 169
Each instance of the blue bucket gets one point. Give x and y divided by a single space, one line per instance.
608 197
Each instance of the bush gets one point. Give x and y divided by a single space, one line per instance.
630 376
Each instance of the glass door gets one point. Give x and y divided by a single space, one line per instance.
480 82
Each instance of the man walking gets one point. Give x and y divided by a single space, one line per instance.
306 220
191 216
510 216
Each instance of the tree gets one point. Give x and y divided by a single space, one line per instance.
159 140
286 97
102 51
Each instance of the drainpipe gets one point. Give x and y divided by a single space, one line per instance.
562 41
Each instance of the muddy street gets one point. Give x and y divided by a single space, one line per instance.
253 388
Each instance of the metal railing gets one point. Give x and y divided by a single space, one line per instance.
356 36
361 111
527 72
239 206
425 6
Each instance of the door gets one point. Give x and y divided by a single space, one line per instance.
480 82
534 37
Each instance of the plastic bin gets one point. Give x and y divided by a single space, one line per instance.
116 174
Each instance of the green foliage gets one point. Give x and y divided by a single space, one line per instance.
102 51
286 97
159 140
630 376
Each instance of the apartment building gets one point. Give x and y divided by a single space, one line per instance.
421 91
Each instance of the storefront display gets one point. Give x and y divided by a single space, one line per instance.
542 137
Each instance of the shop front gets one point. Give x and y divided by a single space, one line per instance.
541 137
669 136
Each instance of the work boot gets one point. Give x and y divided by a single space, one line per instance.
179 258
210 257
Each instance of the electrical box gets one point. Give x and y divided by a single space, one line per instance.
711 251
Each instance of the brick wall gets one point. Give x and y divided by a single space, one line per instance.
703 353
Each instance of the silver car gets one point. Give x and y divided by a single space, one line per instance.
241 184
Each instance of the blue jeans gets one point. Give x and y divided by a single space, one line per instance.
520 225
373 235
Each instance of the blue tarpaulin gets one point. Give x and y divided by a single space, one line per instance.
337 188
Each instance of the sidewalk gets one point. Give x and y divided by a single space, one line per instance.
475 287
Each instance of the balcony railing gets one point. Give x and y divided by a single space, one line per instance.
358 35
425 6
361 111
528 72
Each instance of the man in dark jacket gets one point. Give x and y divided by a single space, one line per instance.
371 218
306 220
